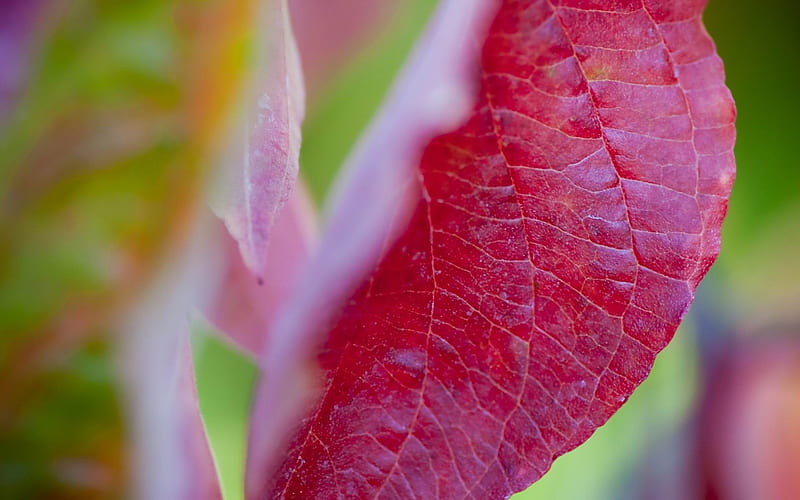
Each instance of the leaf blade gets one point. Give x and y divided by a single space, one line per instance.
256 189
555 247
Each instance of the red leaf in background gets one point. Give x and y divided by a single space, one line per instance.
748 436
556 245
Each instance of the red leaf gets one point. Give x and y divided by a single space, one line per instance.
555 248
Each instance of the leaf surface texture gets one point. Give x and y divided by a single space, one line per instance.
556 244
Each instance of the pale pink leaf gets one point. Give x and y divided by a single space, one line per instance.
170 454
257 181
201 473
243 305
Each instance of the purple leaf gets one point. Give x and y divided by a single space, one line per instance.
18 22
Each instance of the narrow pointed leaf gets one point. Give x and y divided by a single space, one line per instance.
171 454
200 469
555 247
258 183
243 305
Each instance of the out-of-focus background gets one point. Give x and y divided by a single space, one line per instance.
108 113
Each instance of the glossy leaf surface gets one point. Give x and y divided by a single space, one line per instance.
556 245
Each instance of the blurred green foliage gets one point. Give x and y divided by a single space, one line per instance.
83 193
65 440
67 193
99 167
758 42
758 272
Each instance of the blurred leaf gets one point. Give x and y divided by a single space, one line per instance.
225 378
102 166
350 100
259 178
64 443
757 269
748 439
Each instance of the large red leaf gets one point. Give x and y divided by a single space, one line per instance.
557 243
